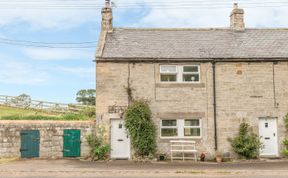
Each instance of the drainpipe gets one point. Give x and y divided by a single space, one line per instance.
214 106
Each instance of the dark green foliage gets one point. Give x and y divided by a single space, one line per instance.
247 143
141 128
286 121
86 97
285 141
99 149
67 117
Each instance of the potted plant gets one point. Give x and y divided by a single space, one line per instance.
202 157
162 157
218 157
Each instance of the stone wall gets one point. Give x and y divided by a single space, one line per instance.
51 136
244 92
166 100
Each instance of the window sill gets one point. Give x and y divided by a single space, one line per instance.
180 85
182 138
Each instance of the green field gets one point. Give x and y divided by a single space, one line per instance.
10 113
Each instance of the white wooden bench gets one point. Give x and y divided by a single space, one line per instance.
183 147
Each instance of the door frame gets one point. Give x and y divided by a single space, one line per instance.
276 137
129 145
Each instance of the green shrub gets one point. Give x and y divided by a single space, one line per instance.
89 112
99 149
286 121
285 152
285 142
247 143
141 128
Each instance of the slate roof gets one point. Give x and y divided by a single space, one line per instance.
195 43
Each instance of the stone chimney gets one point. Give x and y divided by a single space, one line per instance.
237 19
107 24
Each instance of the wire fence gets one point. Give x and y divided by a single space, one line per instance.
53 107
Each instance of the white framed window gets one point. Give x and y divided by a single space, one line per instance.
168 73
180 73
181 128
169 128
192 128
191 73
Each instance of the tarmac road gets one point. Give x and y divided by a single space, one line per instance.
128 169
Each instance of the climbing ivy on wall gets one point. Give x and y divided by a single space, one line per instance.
140 128
286 121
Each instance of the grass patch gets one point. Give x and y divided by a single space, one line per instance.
66 117
9 113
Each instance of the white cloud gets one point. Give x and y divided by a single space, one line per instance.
206 14
57 54
79 71
20 73
46 18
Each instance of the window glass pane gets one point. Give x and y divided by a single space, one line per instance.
168 132
192 122
168 78
190 77
191 131
190 68
169 123
168 69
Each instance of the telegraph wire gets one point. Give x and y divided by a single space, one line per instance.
52 43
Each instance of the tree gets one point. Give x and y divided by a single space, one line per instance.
86 96
22 100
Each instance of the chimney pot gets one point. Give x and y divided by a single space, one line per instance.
107 17
237 19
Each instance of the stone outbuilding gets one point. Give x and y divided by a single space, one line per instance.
201 83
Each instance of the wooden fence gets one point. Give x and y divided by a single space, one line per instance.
27 103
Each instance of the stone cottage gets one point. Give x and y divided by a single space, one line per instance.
201 83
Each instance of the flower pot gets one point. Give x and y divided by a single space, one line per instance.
219 159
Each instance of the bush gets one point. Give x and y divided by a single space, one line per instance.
141 128
247 143
286 121
99 149
89 112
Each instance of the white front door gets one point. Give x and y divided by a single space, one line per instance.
268 136
120 142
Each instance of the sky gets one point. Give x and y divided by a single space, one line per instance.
47 47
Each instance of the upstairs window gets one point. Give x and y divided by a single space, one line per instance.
168 73
190 74
180 73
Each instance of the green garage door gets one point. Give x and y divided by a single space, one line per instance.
72 143
29 143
